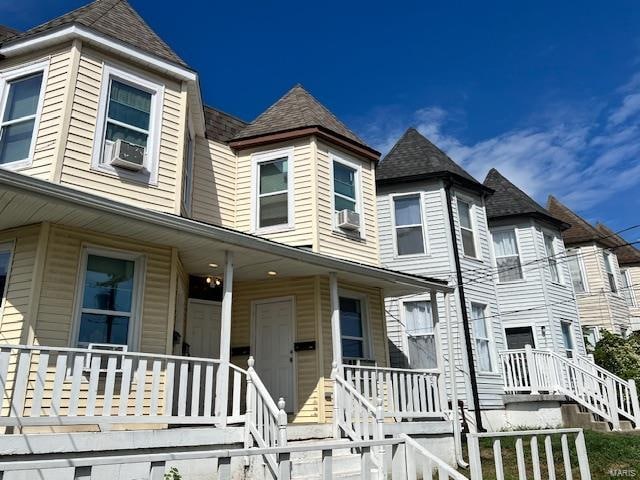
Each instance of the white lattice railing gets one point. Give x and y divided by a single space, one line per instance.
534 371
266 422
61 386
406 393
542 465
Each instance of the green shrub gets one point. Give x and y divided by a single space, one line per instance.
619 355
173 474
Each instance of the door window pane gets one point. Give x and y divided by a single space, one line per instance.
18 119
507 256
519 337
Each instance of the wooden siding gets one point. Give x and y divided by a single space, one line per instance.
50 126
550 302
57 299
599 306
17 307
338 244
438 262
634 311
76 168
214 183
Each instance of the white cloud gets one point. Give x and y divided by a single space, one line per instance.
565 152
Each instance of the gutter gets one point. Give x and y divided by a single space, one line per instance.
48 191
463 310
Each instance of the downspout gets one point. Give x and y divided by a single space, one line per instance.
463 310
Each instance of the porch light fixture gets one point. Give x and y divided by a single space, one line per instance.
213 265
216 281
272 273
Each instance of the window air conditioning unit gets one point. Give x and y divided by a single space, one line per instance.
127 155
348 220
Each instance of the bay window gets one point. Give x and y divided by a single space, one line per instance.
421 334
508 264
20 105
482 337
409 230
465 212
108 302
552 260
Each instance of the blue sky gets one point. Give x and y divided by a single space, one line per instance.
546 92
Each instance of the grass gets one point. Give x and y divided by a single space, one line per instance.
609 453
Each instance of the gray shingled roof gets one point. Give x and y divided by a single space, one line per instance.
509 201
7 32
221 126
414 157
580 231
296 109
115 18
627 254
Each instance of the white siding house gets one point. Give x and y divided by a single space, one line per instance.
416 237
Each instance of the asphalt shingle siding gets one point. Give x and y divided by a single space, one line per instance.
115 18
627 254
221 126
580 231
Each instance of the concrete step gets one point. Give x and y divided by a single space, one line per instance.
308 465
572 416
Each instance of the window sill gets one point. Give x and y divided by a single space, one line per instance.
274 229
473 259
355 236
490 374
411 256
143 177
19 165
513 282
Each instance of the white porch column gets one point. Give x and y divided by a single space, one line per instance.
222 384
336 335
442 387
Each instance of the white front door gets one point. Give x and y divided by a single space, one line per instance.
273 347
203 328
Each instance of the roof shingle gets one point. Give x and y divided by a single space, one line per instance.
415 157
7 32
510 201
221 126
580 231
294 110
115 18
627 254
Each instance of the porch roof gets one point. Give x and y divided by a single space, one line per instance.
28 200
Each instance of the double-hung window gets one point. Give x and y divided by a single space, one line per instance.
20 105
610 271
273 193
108 303
508 264
482 337
409 229
345 187
130 112
465 213
421 334
576 271
627 288
187 176
567 338
352 327
5 266
552 259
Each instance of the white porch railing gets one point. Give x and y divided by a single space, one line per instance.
266 422
535 371
359 419
421 463
406 393
62 386
545 467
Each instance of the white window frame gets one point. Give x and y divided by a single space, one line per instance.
149 174
189 164
631 299
367 346
8 76
552 256
434 318
6 247
610 269
577 253
489 339
474 226
571 337
495 256
392 201
265 157
357 167
139 273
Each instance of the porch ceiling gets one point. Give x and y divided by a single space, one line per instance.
27 200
